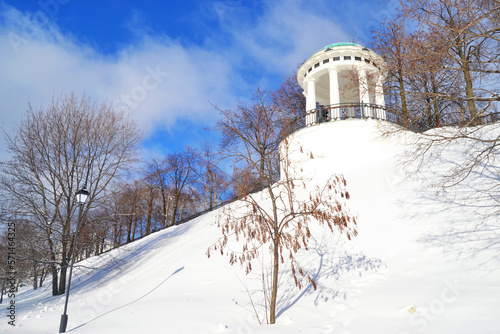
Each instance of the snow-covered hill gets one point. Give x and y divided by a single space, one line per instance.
420 264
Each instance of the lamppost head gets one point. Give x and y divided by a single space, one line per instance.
82 195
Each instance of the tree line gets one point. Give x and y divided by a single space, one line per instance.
443 62
75 142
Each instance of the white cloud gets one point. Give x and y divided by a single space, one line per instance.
287 33
159 79
163 80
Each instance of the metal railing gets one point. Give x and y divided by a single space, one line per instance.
362 110
349 111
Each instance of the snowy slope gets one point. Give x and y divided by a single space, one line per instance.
420 264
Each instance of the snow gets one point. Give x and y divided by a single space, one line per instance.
420 264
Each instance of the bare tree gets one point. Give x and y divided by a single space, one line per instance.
150 194
467 44
418 87
156 173
213 181
95 237
56 150
254 130
289 97
29 257
279 216
443 60
174 178
391 42
132 208
180 172
119 215
139 207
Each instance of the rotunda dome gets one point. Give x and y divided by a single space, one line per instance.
343 73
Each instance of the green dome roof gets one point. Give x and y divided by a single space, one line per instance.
339 44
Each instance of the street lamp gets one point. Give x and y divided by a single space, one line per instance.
81 198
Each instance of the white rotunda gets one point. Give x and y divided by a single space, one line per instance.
343 80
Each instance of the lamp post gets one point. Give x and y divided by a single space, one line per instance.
81 198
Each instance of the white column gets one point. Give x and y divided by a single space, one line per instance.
364 96
334 93
311 101
311 94
379 98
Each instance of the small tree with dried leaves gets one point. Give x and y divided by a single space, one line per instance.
279 216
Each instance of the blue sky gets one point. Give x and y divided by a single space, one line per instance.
169 61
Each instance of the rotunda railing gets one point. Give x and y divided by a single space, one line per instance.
362 110
348 111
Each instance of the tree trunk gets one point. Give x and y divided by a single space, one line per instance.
42 277
150 213
274 289
276 256
35 276
64 270
129 230
428 111
167 211
165 207
174 213
134 227
435 92
262 169
55 290
62 278
211 194
116 232
469 91
465 66
402 96
52 265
